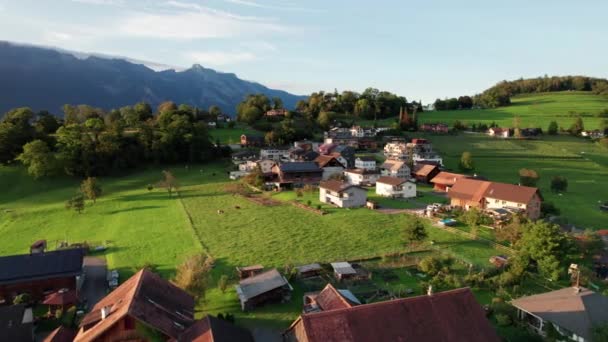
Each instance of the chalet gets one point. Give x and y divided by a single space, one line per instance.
266 287
145 299
212 329
277 154
297 174
40 274
443 181
308 271
343 270
365 163
61 334
329 298
249 140
423 173
394 168
16 323
572 311
500 132
342 194
361 176
347 153
447 316
301 155
468 193
331 166
395 187
249 271
277 112
434 128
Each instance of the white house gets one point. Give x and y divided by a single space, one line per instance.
394 168
331 165
365 163
499 132
395 187
360 132
342 194
396 150
275 153
264 164
361 176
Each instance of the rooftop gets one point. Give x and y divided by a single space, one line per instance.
16 323
261 283
25 267
447 178
475 190
212 329
394 181
300 167
343 268
336 186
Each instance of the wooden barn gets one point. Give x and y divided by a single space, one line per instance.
267 287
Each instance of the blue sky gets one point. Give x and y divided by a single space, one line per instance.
418 49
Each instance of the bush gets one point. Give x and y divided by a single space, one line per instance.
231 124
503 320
318 207
548 208
299 193
223 283
309 203
23 298
432 265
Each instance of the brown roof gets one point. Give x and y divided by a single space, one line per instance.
367 158
212 329
336 186
267 281
361 171
61 334
424 170
250 268
394 181
475 190
447 178
61 298
446 316
393 165
331 299
323 160
575 311
145 297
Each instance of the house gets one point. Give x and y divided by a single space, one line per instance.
361 132
331 166
16 323
594 134
38 247
223 118
342 194
265 166
395 187
213 329
277 112
211 124
443 181
243 156
297 174
347 153
327 148
500 132
365 163
40 273
468 193
421 151
343 270
434 128
572 311
342 139
266 287
367 143
145 299
394 168
361 176
308 271
300 154
61 334
249 271
250 140
396 150
423 173
306 145
447 316
278 154
329 298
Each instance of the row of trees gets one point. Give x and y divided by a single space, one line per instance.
255 106
462 102
91 142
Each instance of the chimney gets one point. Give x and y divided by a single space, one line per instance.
429 291
105 311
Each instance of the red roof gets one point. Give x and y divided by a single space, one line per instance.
446 316
475 190
330 299
61 298
212 329
61 334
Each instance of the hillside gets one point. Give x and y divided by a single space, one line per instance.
535 110
43 78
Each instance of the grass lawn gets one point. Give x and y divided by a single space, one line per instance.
582 162
231 135
535 110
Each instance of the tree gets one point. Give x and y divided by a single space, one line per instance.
192 274
214 112
559 184
324 120
223 283
528 177
600 332
552 130
277 103
46 123
38 159
433 265
473 218
513 231
255 178
15 131
76 203
414 231
577 127
168 182
90 188
466 161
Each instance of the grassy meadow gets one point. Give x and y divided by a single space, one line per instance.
534 110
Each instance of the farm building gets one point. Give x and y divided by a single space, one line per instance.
365 163
330 165
266 287
343 270
342 194
329 298
212 329
395 168
395 187
249 271
425 172
447 316
40 273
38 247
16 323
361 176
500 132
297 174
310 270
469 193
249 140
572 311
443 181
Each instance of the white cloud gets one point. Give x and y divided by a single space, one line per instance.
282 7
100 2
57 37
259 45
219 58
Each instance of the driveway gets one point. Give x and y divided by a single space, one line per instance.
95 282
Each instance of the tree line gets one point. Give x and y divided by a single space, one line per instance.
90 142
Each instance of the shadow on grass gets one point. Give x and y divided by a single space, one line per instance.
145 207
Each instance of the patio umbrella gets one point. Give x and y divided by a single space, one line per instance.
62 298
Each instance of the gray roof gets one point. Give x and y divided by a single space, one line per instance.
25 267
349 295
308 268
254 286
300 167
572 310
343 268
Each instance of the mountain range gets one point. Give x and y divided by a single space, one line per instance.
45 79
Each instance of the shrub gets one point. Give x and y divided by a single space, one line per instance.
318 207
23 298
223 283
503 320
309 203
299 193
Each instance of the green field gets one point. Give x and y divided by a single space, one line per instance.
535 110
583 163
231 135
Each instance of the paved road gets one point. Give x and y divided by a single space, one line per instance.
95 283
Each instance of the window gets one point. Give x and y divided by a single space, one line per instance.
504 202
495 201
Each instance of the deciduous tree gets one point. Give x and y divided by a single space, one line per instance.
192 275
90 188
414 231
38 159
466 161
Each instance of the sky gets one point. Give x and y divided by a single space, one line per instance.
422 50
